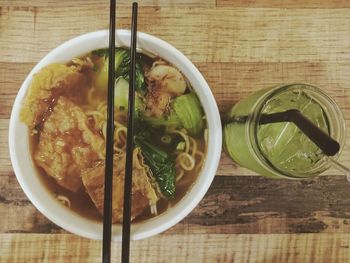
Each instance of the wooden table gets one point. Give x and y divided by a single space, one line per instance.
240 46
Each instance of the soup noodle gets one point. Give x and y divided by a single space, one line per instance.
66 112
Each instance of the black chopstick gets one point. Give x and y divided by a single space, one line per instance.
107 209
130 141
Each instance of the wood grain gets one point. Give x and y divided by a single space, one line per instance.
233 205
315 4
99 3
182 248
211 35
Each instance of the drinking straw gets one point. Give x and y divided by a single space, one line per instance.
327 144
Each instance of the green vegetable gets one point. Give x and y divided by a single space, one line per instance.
170 121
122 62
162 167
190 113
102 76
122 68
121 96
141 128
122 65
181 146
187 112
166 139
102 52
121 93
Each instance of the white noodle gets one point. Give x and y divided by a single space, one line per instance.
180 175
153 208
64 200
186 161
184 136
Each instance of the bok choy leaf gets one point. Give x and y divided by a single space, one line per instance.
122 68
121 96
190 113
161 165
169 121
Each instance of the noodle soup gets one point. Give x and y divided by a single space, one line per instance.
65 111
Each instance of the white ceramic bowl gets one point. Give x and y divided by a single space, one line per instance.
62 216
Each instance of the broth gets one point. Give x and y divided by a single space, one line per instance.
81 202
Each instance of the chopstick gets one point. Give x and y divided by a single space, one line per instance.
108 186
130 141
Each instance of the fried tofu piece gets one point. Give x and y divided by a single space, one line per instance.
47 86
143 193
67 145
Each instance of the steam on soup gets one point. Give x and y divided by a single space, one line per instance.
65 110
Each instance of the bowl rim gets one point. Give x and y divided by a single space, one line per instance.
165 220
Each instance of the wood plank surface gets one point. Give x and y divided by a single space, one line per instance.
240 46
233 205
98 3
211 35
315 4
206 248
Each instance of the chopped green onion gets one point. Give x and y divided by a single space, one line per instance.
166 139
181 146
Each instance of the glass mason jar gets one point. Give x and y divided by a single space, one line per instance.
281 150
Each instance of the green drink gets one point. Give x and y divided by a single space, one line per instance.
282 149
